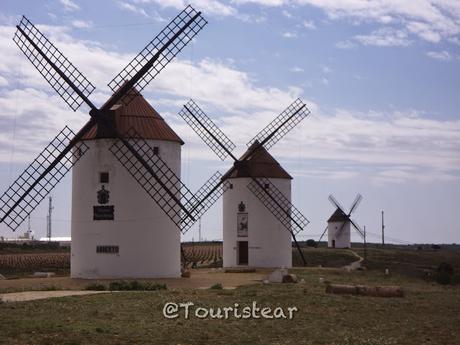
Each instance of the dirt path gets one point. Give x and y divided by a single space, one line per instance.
200 278
33 295
355 264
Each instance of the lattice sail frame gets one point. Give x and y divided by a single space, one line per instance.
207 195
33 171
221 145
57 82
206 129
353 207
355 203
183 27
148 182
282 124
283 210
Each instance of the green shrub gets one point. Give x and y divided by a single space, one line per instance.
311 243
443 278
217 286
446 267
135 285
96 287
444 273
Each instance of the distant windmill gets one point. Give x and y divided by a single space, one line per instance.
339 224
130 129
255 186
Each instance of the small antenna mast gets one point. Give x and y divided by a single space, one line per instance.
383 230
48 218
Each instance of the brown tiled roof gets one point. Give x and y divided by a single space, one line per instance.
257 164
141 116
338 216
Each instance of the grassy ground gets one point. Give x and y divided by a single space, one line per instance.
324 257
429 314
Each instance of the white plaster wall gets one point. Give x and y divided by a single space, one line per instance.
343 241
149 242
268 240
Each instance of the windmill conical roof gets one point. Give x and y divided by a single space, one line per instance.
137 114
257 164
338 216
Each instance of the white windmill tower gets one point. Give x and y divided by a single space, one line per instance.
117 229
259 219
339 224
251 234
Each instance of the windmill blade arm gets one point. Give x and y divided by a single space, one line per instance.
40 177
322 235
357 227
336 203
207 130
206 196
355 203
153 175
281 125
73 87
274 200
157 54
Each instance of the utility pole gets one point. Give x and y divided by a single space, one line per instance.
365 244
29 231
48 218
199 230
383 229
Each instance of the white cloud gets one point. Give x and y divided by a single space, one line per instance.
384 37
3 81
289 34
81 24
326 69
403 138
439 55
287 14
132 8
69 5
296 69
209 6
345 44
220 86
309 24
431 20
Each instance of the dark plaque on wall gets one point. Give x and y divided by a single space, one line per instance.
103 212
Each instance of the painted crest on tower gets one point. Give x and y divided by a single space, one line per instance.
103 196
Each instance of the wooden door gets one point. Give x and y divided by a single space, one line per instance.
243 254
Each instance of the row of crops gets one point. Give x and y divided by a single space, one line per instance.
207 254
27 263
194 254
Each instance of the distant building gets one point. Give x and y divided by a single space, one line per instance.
336 238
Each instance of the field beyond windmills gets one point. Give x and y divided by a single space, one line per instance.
429 312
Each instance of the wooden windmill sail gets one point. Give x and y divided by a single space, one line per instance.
67 148
266 192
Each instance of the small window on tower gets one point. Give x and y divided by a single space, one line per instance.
156 150
104 177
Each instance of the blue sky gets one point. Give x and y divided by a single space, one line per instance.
381 79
